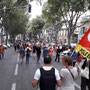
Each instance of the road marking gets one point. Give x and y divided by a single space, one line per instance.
77 86
13 86
16 70
18 58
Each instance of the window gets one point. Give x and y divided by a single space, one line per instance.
83 30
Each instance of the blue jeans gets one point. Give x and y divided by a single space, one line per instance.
27 57
38 57
0 55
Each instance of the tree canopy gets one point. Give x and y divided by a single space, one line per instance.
13 17
67 12
36 26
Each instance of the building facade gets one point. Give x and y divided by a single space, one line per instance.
85 21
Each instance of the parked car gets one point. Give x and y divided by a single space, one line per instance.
65 47
8 45
5 46
65 52
73 44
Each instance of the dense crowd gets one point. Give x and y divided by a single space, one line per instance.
48 76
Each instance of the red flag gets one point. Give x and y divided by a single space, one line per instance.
83 47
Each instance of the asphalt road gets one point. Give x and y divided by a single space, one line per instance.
16 76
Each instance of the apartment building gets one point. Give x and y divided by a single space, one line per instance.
82 30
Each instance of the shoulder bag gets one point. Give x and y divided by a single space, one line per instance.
71 73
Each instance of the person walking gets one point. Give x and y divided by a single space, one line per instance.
47 76
27 50
2 51
18 46
58 54
84 73
74 55
68 74
45 51
22 54
51 51
15 46
38 51
34 50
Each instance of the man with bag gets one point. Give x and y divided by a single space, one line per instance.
47 76
27 50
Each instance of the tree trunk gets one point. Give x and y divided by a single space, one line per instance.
1 35
12 38
24 37
6 38
69 36
56 34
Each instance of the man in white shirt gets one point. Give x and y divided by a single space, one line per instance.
47 76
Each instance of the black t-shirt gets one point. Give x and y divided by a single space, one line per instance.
38 49
58 51
34 49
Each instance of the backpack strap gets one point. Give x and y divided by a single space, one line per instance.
51 68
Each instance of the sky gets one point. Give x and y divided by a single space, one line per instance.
36 9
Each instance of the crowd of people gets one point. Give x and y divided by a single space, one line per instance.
37 49
48 76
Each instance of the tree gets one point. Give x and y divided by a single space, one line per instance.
70 11
17 22
10 23
36 26
53 20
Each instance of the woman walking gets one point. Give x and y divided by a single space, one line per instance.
68 74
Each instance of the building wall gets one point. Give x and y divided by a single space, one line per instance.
83 29
79 31
63 36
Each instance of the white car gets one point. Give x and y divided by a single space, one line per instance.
8 45
5 46
64 53
73 44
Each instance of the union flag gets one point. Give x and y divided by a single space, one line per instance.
83 47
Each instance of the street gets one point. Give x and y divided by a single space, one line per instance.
16 76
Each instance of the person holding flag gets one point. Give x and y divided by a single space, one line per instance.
84 72
83 47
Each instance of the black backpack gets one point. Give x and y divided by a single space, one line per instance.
47 79
28 51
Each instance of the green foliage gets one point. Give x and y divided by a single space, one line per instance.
36 26
66 11
48 14
14 20
17 22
